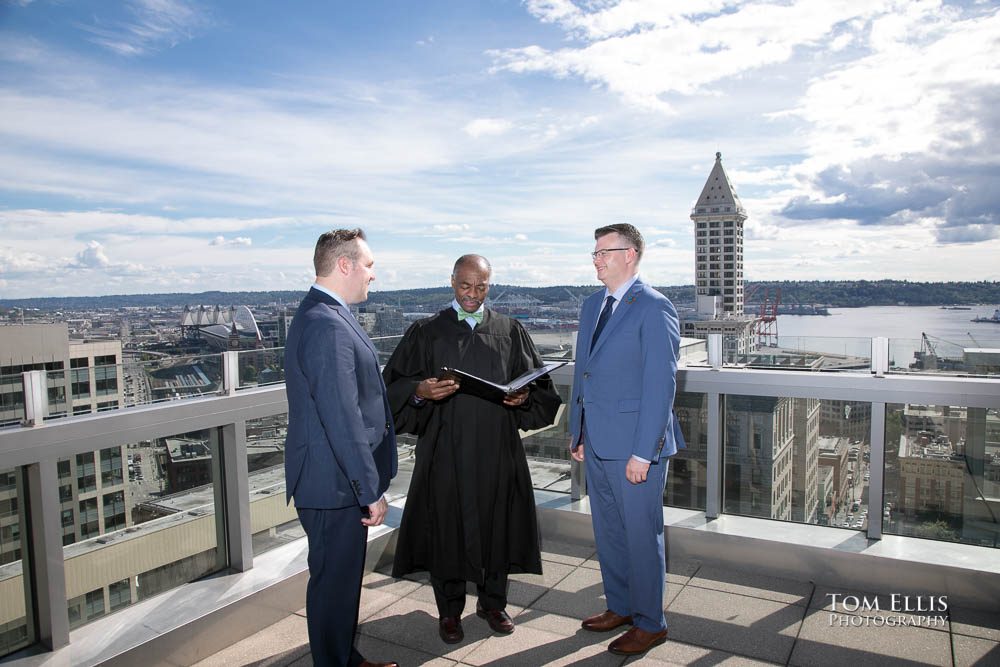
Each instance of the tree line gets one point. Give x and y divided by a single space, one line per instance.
835 293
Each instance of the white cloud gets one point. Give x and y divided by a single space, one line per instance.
155 24
645 50
92 257
486 127
238 241
449 229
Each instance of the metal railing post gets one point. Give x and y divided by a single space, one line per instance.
876 463
231 371
48 570
880 356
715 350
713 457
36 398
236 500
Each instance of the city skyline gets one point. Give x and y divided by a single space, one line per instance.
189 146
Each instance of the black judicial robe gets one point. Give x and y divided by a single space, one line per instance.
470 509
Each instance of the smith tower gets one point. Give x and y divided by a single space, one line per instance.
718 217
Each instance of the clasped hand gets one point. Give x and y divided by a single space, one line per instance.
376 513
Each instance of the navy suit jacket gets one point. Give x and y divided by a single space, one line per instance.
625 385
341 445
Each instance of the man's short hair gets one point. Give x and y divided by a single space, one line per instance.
333 245
627 232
477 260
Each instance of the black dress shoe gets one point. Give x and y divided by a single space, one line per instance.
498 619
450 629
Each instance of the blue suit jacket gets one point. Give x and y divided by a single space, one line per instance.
626 383
341 445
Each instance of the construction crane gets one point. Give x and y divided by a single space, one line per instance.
928 358
969 334
765 327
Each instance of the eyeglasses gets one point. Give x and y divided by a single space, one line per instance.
603 254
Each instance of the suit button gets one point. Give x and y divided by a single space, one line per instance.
586 376
579 399
387 426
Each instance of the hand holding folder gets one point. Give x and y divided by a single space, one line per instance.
472 384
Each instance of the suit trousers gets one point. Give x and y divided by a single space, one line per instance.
450 594
628 529
337 544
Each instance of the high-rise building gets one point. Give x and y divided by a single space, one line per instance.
81 377
718 217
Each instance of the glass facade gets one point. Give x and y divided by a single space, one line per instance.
157 530
16 627
942 473
797 459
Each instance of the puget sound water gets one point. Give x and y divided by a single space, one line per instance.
847 330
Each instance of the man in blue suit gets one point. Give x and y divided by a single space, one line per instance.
340 452
622 425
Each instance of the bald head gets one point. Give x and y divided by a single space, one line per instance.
471 281
477 262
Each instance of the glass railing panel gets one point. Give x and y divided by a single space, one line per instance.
942 473
547 449
130 539
170 378
273 522
556 343
807 353
797 459
970 354
16 626
259 368
688 473
385 345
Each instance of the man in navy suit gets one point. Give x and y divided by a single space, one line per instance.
622 425
340 452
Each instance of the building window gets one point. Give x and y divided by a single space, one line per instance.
89 521
119 595
114 511
80 362
80 380
106 380
95 603
111 466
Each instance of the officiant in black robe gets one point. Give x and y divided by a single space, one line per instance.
470 511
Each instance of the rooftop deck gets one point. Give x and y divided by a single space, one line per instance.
715 616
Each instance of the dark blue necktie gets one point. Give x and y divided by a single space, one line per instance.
602 320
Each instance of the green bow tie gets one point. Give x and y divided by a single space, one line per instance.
477 316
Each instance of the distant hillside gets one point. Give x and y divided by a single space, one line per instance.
840 294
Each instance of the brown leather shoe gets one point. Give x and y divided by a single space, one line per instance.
366 663
498 619
607 620
450 629
637 641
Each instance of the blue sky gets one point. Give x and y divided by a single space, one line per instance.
185 145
